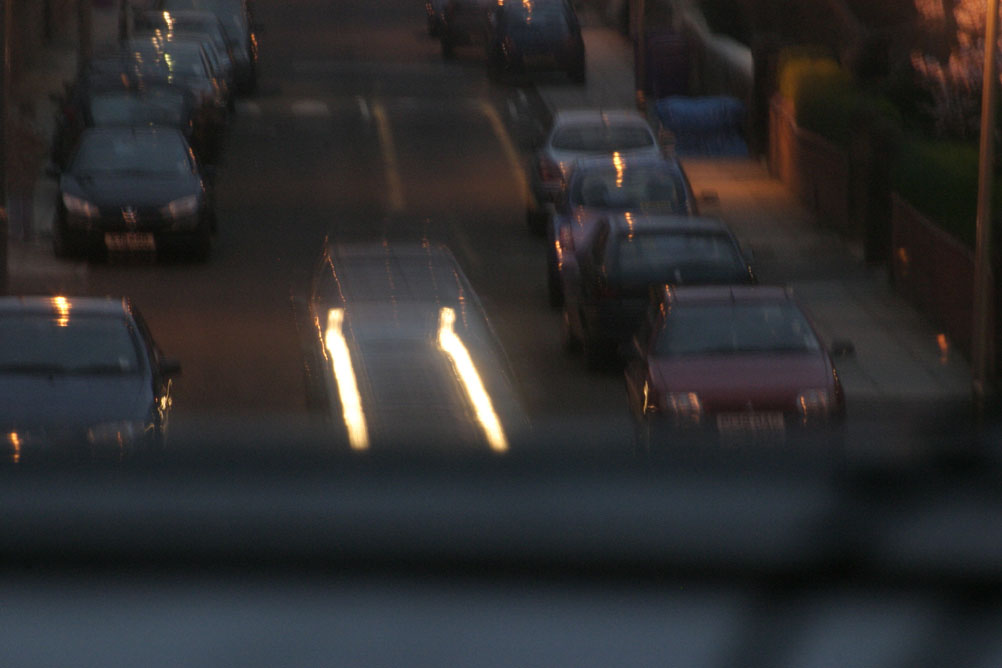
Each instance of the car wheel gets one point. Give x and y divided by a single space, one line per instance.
448 49
568 340
535 221
201 246
554 291
62 244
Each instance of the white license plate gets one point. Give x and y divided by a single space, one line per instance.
750 423
129 241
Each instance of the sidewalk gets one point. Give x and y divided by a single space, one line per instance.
31 265
899 357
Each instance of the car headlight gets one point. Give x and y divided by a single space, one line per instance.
79 206
684 406
184 206
814 403
122 433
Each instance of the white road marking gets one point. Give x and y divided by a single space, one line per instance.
310 108
248 108
389 158
363 108
511 153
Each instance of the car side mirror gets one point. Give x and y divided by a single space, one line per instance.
842 348
709 196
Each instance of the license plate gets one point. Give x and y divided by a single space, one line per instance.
750 423
129 241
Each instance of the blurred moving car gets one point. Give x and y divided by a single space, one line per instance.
740 364
238 20
536 35
597 187
405 353
80 378
464 22
580 133
606 287
133 189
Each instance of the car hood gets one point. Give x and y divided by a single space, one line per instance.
115 189
763 380
69 401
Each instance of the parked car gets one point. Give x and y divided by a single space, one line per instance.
146 105
581 133
405 355
133 189
606 287
80 378
190 68
238 19
464 23
194 23
597 187
541 35
735 363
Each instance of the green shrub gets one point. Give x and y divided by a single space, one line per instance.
823 96
940 179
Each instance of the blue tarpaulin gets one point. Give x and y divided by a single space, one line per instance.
712 126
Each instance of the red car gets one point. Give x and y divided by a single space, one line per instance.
731 364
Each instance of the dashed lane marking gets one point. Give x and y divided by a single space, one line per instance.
511 153
389 152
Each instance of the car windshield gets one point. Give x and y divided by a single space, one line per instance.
74 344
135 151
123 108
679 258
645 189
601 138
713 329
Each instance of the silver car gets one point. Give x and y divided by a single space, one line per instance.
580 133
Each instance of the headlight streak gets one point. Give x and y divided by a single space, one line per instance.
347 385
453 346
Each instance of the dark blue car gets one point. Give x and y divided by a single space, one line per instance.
536 35
80 378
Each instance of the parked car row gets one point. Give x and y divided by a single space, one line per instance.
645 279
518 36
139 130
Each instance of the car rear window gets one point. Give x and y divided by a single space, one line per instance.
709 329
551 21
678 258
601 138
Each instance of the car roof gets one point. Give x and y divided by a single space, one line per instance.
57 304
607 116
357 273
629 223
716 294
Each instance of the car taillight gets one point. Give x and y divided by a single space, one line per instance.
549 171
566 239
